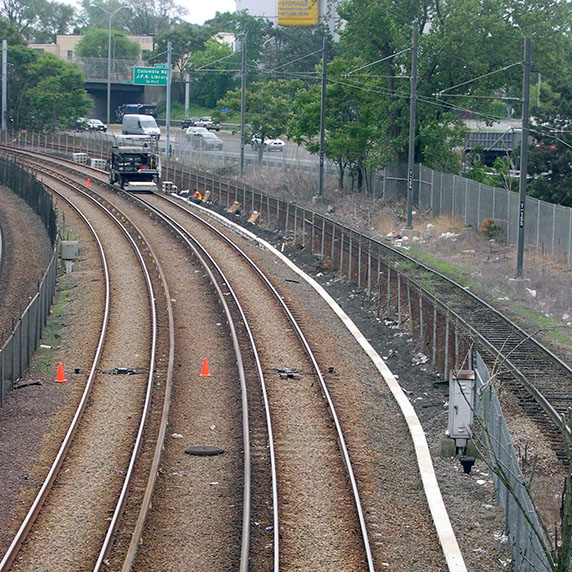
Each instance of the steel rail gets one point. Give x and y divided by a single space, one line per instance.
114 523
541 399
34 510
310 354
202 256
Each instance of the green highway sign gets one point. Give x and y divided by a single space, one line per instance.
149 76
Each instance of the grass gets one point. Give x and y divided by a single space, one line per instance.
550 328
459 274
52 331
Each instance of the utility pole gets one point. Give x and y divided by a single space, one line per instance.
412 120
187 86
4 83
168 117
323 116
523 155
109 17
242 102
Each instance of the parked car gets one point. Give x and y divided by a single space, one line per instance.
189 122
194 129
206 141
96 125
269 144
208 123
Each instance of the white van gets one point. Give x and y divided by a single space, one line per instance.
134 124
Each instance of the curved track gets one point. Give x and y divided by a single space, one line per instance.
83 428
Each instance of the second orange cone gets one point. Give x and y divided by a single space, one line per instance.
60 378
205 370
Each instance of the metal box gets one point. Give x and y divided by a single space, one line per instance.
98 164
461 404
70 249
80 158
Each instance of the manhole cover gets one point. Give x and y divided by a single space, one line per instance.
204 450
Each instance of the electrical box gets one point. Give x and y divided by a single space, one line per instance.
461 405
70 249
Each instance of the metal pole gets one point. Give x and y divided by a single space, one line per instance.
242 103
4 82
523 154
187 87
109 16
323 115
168 116
412 106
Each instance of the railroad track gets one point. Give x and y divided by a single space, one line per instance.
109 462
342 505
541 381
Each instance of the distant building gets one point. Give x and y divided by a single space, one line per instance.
269 10
66 44
227 39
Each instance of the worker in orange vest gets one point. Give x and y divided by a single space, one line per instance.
197 197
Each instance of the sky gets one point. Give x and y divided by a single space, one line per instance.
202 10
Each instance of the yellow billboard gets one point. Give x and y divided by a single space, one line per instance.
298 12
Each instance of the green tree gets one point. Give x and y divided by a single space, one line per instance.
186 39
466 39
152 17
268 109
95 43
207 83
10 34
56 18
294 49
45 92
93 50
550 159
22 14
242 25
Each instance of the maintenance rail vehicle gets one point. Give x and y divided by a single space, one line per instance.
135 167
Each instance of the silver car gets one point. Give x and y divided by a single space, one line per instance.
206 141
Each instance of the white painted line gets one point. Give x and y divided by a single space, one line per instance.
437 507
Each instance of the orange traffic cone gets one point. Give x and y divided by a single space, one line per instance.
88 182
205 370
60 378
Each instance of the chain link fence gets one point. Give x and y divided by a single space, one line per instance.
522 524
17 349
548 227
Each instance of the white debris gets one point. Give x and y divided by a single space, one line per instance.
566 317
501 537
531 292
420 358
177 436
212 427
481 482
448 235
